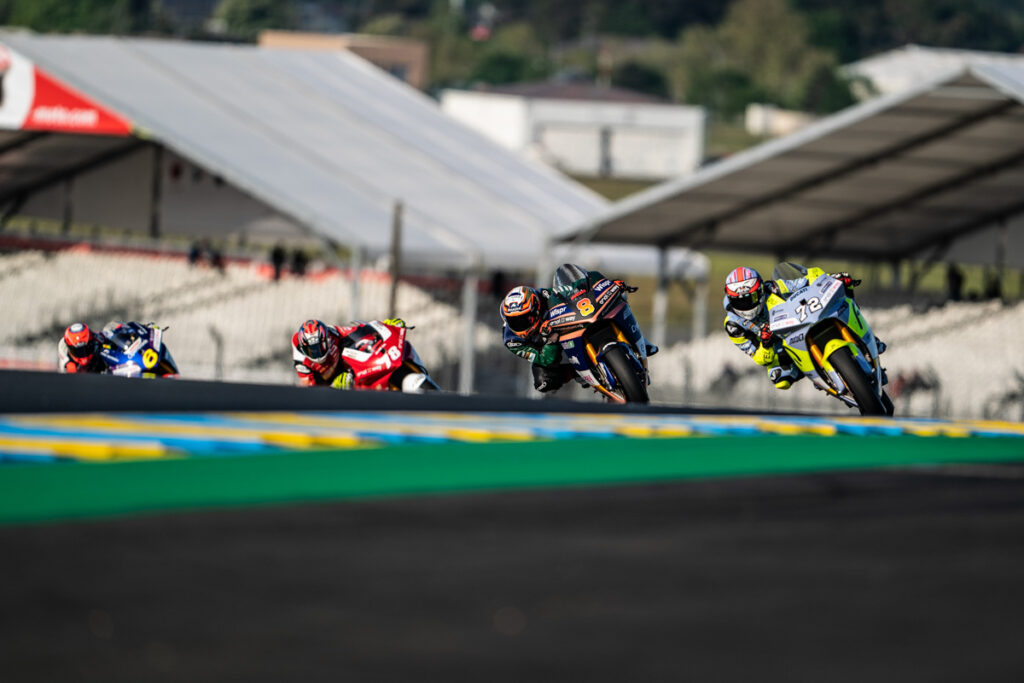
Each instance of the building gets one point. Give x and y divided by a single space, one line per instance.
585 129
403 58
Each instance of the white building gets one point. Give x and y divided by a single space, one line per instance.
585 129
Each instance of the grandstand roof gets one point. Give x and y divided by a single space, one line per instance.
882 180
324 138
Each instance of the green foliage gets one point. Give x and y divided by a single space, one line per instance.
89 16
246 18
393 24
498 67
640 77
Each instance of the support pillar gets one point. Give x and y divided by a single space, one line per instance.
156 193
700 310
659 305
467 368
396 258
355 265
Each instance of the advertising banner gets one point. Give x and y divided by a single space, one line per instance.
31 99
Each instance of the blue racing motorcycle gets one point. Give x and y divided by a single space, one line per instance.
131 349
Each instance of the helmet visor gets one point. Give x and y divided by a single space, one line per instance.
522 323
83 350
316 349
747 302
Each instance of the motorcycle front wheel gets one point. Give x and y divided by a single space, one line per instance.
633 387
857 382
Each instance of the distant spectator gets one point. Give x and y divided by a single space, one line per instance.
195 253
277 257
955 282
217 259
299 262
993 284
499 285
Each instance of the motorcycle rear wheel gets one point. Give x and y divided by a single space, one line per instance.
857 382
633 388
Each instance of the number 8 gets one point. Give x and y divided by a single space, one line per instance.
585 307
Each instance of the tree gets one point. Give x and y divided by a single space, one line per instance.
640 77
246 18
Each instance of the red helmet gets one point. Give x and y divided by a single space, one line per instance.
80 341
522 311
315 341
745 292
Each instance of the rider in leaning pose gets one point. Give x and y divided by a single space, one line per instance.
79 350
316 351
524 311
746 318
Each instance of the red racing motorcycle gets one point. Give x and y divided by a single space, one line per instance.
382 359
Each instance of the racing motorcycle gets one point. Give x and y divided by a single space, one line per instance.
599 335
382 359
132 349
824 332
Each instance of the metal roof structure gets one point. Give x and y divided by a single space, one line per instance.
884 180
326 139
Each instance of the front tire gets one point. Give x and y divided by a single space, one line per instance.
633 387
857 382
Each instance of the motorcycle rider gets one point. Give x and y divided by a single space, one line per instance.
316 352
79 350
524 311
746 318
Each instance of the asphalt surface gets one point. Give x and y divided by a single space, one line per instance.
886 576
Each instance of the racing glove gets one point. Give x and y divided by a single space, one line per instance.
394 322
344 381
622 285
767 337
846 279
547 379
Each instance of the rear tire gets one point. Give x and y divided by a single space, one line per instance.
857 382
634 388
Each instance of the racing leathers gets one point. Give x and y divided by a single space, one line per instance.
331 370
86 359
754 338
543 351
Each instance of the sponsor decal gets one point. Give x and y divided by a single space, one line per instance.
602 285
31 99
383 330
355 354
557 311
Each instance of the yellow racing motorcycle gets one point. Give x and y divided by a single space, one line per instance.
823 331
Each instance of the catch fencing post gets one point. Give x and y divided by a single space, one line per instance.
396 258
660 302
469 305
355 271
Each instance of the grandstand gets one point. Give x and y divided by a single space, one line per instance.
235 323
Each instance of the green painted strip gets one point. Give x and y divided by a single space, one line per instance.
42 492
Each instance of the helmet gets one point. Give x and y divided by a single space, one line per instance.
566 274
745 292
80 341
521 310
314 340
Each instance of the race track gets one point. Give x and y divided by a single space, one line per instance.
265 535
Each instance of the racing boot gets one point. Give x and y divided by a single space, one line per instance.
783 378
